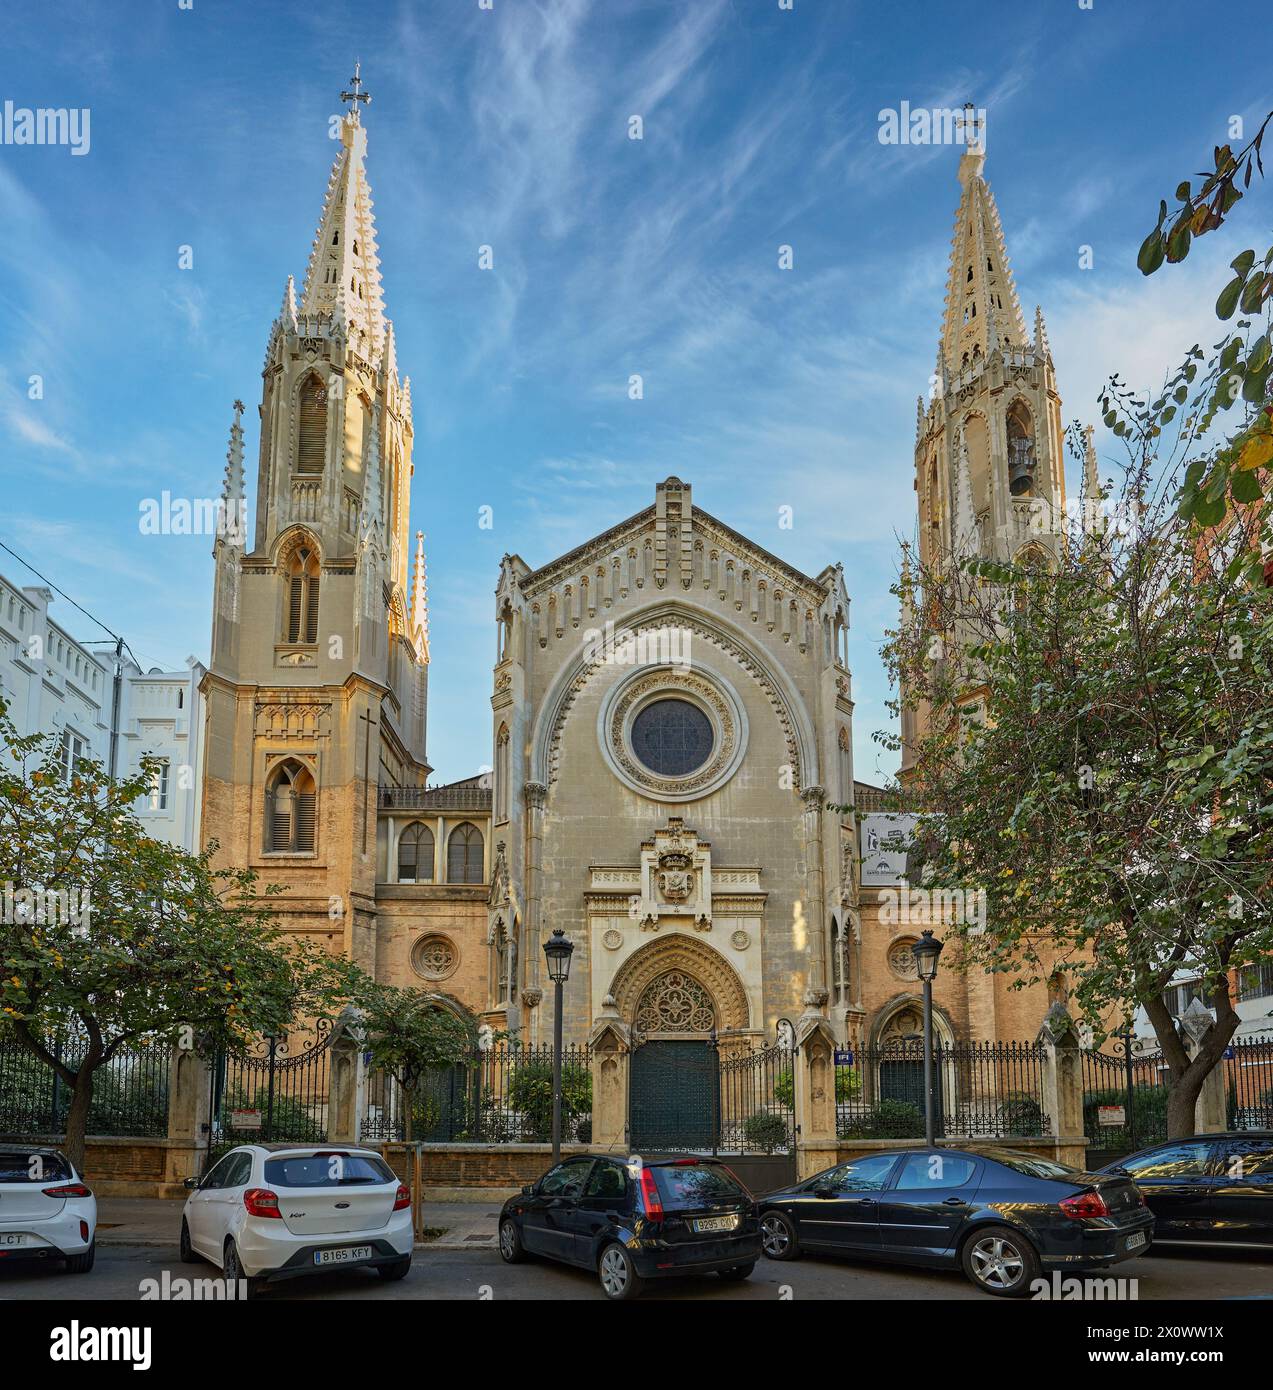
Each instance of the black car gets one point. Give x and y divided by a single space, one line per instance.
1213 1189
1002 1216
634 1219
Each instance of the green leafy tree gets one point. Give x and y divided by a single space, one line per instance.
127 940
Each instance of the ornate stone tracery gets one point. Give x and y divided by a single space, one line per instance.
691 958
675 1003
434 957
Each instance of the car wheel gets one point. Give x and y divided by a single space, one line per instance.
188 1256
619 1279
232 1268
510 1242
1001 1262
738 1273
778 1237
399 1269
83 1262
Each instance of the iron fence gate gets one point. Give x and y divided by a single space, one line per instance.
1124 1101
1249 1064
277 1090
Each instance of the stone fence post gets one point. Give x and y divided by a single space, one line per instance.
813 1062
1211 1109
346 1083
611 1042
189 1114
1063 1084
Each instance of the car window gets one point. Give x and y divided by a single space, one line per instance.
922 1172
1173 1161
566 1179
34 1165
862 1175
606 1180
220 1172
1248 1160
1033 1165
683 1186
327 1170
240 1171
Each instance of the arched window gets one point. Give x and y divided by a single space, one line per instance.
464 855
1020 451
837 961
311 422
501 774
290 810
845 766
300 596
415 854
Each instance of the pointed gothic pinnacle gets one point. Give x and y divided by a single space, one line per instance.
232 488
287 311
919 417
1041 345
420 601
372 492
1091 479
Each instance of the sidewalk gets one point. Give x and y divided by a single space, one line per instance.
155 1221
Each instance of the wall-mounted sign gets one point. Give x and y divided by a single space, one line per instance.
1111 1114
245 1119
886 836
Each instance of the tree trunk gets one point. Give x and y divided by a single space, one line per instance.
1188 1074
77 1114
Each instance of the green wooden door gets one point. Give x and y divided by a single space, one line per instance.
673 1097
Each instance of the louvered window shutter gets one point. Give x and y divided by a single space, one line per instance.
311 443
294 595
408 856
311 609
305 811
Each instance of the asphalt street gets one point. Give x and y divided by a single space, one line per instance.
480 1274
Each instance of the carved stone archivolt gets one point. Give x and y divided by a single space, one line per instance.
692 959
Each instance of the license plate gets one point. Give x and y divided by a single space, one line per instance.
10 1238
345 1256
716 1223
1134 1242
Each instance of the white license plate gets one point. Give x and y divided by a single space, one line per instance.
716 1223
345 1256
1134 1242
11 1238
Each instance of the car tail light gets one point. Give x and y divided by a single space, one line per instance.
1085 1204
650 1198
260 1201
70 1189
402 1200
83 1230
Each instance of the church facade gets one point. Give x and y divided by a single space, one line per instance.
671 705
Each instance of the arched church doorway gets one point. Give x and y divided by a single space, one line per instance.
674 1086
899 1061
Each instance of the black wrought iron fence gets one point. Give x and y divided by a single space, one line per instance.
276 1090
1124 1099
1249 1066
130 1091
495 1095
991 1090
757 1101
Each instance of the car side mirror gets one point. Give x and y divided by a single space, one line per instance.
528 1190
192 1184
824 1189
1120 1172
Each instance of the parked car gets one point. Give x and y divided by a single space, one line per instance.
47 1211
270 1211
1213 1189
634 1220
1002 1216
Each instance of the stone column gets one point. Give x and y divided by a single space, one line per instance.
534 794
1062 1085
814 799
1211 1109
189 1114
611 1041
814 1064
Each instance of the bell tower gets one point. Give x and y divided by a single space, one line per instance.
317 686
989 445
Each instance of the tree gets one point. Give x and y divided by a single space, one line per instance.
1099 763
126 939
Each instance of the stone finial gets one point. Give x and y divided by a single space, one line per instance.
420 602
1197 1020
1058 1026
1041 346
1091 479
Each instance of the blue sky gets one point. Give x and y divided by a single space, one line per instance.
508 127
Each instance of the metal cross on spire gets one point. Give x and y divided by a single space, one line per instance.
354 96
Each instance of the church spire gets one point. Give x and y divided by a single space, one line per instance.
420 603
343 277
233 494
982 309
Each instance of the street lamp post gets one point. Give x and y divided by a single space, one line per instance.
926 950
558 949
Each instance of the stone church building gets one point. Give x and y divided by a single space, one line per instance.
671 708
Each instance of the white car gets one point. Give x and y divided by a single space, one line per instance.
270 1211
46 1210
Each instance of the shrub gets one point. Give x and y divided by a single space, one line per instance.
530 1090
848 1083
1022 1116
890 1119
767 1131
